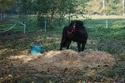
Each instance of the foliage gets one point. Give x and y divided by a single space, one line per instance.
110 7
5 4
53 7
113 6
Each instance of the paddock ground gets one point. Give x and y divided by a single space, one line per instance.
18 65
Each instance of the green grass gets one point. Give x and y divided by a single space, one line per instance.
111 40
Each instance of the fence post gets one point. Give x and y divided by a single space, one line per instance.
0 16
5 14
106 23
45 27
24 27
45 24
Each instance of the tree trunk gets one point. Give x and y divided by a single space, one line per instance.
38 18
52 18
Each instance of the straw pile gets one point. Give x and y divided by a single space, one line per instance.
63 59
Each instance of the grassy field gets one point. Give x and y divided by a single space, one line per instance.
109 39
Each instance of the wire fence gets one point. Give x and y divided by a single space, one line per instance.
11 25
105 23
31 22
2 16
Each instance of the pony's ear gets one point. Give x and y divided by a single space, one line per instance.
80 23
72 22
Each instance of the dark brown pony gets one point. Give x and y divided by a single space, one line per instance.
76 32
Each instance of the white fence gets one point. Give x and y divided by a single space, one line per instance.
23 24
2 16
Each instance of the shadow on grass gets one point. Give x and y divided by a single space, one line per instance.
104 39
17 43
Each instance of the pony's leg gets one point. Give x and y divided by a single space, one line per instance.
62 44
83 45
68 44
79 46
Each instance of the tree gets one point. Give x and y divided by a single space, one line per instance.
5 4
113 7
94 6
42 8
80 6
104 7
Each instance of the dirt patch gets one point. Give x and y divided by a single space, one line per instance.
63 59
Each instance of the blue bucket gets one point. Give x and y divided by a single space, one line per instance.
36 48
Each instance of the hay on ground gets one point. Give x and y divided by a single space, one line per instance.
64 59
